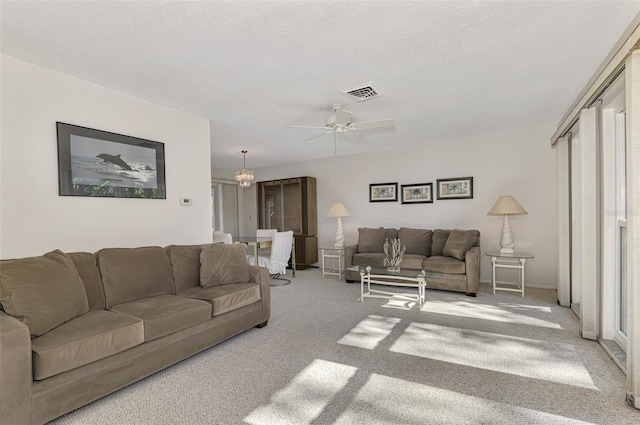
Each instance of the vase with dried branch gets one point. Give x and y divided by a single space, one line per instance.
393 252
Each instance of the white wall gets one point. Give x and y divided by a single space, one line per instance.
34 219
518 163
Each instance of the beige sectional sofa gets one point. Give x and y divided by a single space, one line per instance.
455 253
75 327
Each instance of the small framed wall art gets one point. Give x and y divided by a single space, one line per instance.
420 193
456 188
103 164
383 192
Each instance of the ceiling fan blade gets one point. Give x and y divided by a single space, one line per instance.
305 126
366 125
319 135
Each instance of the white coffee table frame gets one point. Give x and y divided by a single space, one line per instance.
418 282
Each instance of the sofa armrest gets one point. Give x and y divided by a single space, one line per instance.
472 266
260 275
349 250
15 370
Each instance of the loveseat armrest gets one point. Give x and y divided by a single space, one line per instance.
349 250
472 266
15 370
260 275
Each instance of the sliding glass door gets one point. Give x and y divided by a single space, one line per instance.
225 208
620 335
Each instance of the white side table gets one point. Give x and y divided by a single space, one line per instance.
516 260
335 256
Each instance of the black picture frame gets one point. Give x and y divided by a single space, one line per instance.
455 188
383 192
98 163
419 193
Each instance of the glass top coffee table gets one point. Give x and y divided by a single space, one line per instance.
409 278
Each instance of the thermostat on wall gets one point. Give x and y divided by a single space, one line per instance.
187 202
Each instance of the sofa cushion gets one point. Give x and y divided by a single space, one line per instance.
166 314
417 241
448 265
459 242
85 263
390 233
225 298
43 292
371 240
223 264
439 240
84 339
133 273
373 259
412 261
185 265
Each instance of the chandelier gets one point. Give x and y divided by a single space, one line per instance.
244 176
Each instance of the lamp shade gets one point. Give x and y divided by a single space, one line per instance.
507 205
338 210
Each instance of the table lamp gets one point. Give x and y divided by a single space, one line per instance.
338 210
506 206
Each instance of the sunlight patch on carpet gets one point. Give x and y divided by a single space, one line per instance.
400 303
369 332
504 313
385 400
526 357
306 396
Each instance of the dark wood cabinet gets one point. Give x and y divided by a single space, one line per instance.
290 204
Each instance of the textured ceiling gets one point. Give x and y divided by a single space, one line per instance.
447 69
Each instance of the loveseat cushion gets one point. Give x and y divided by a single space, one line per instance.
225 298
222 264
85 262
129 274
371 240
447 265
459 242
440 237
416 241
43 292
84 339
166 314
185 265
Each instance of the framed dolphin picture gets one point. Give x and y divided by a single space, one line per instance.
103 164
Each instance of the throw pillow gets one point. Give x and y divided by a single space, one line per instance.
416 241
42 292
223 263
85 263
439 240
371 240
459 242
185 265
130 274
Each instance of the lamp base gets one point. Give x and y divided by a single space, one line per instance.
506 251
339 235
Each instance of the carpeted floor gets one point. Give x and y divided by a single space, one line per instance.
326 358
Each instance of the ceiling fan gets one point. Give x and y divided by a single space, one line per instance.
340 122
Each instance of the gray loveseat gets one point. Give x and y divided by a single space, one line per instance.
78 326
455 253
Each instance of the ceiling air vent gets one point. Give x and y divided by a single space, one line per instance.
364 91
